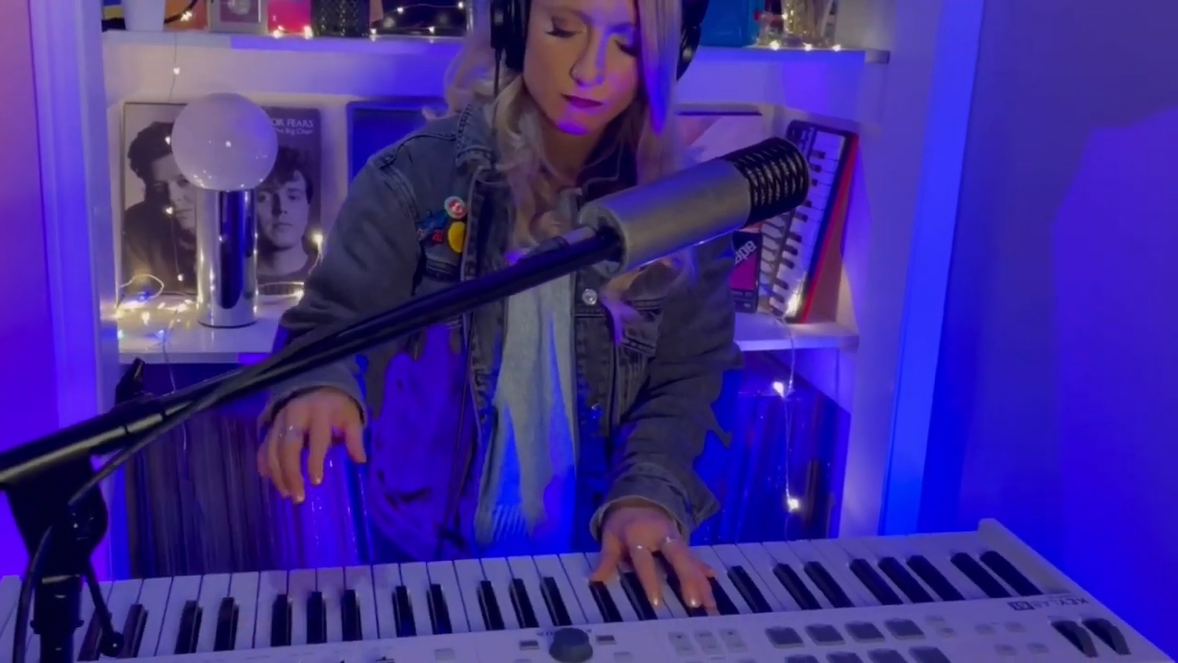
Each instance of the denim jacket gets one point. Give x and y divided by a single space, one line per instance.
430 211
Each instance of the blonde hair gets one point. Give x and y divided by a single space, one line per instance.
647 129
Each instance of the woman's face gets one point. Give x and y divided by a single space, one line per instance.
581 61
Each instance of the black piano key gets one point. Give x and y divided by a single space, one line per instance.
794 236
875 584
826 584
1007 571
89 651
190 619
979 576
557 610
524 611
403 613
281 622
605 603
796 587
895 571
748 590
677 590
934 579
489 606
133 629
637 596
439 613
225 637
316 619
350 616
724 603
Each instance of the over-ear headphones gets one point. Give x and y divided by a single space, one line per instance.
509 31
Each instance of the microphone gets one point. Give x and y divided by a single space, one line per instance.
705 201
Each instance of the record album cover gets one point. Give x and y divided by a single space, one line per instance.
160 206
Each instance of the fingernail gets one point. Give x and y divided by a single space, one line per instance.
298 498
654 601
316 480
693 602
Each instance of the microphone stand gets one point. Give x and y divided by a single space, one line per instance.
39 477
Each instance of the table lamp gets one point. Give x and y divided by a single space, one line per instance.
226 145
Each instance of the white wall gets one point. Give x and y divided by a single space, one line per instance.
1057 398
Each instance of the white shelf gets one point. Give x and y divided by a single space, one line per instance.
166 331
835 83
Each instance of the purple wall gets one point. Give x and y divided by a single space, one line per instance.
28 387
1057 398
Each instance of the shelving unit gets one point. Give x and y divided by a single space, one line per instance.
329 73
166 331
843 84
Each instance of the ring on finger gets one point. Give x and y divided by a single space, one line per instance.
638 547
291 431
669 539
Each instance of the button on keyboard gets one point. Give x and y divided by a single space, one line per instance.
844 657
802 658
824 634
929 655
783 637
905 629
886 656
864 632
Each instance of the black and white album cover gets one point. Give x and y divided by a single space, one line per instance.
160 206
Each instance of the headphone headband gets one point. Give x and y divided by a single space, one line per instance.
509 31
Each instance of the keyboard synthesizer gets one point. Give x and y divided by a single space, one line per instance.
976 597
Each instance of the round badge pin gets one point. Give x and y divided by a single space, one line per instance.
455 208
456 236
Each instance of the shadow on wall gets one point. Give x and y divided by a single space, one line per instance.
1056 406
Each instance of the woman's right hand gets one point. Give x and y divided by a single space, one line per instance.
311 421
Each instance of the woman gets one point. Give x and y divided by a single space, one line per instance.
574 409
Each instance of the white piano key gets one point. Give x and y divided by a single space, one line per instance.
762 562
731 556
359 580
582 566
9 593
271 585
385 579
214 587
549 566
153 596
837 562
524 569
184 589
330 583
497 571
415 578
858 548
708 556
300 585
8 629
243 589
783 552
823 177
85 612
442 575
469 574
828 143
577 570
933 549
123 595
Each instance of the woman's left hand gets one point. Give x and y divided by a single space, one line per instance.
633 532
